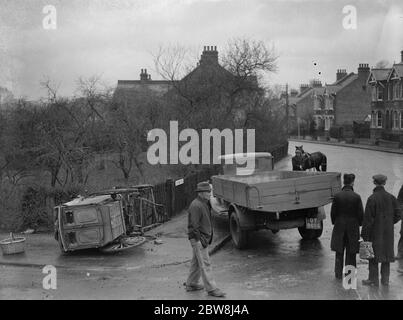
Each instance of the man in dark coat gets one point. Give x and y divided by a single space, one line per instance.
346 213
200 232
297 161
400 245
382 211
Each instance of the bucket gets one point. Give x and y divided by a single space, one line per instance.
12 245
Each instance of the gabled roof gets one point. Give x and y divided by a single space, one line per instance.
345 78
379 75
340 84
396 71
319 91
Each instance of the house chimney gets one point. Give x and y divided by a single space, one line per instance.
316 83
401 56
363 71
144 75
303 87
341 73
209 55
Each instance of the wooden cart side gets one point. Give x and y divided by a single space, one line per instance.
231 191
283 194
296 193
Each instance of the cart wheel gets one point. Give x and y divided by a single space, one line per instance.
123 244
239 236
310 234
59 240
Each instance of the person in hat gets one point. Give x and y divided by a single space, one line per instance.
382 211
346 214
297 160
200 232
400 244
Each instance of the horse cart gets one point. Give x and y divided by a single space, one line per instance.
274 200
107 220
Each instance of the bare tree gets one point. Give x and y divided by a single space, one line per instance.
246 58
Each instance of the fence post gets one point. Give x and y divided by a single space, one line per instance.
170 193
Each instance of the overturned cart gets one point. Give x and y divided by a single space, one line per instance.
106 220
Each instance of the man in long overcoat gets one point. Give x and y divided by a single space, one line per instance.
382 211
347 214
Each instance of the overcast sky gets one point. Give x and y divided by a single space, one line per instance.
115 39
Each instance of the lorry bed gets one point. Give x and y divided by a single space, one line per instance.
274 191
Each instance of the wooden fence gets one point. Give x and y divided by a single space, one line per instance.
176 195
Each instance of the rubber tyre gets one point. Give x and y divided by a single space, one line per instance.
239 236
310 234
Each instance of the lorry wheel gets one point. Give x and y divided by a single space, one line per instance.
310 234
239 236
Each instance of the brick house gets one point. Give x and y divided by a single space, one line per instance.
301 104
207 69
345 101
387 103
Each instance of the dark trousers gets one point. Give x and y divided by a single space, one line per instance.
374 271
350 260
400 244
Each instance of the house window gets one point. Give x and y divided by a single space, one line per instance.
379 119
373 119
374 93
328 123
395 120
396 86
329 102
380 93
390 91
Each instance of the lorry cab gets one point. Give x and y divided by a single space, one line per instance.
246 163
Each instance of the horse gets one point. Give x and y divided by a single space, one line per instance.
315 160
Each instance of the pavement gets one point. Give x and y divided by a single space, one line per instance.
351 145
171 248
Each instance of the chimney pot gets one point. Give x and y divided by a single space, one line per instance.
401 53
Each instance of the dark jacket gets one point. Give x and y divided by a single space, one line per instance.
400 200
296 163
200 226
381 213
347 214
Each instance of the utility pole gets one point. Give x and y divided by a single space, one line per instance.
299 132
287 111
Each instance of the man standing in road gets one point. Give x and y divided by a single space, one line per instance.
347 214
297 161
382 211
400 245
200 231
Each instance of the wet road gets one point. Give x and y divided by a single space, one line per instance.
275 266
285 267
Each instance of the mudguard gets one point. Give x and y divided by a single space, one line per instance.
246 221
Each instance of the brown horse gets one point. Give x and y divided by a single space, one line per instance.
315 160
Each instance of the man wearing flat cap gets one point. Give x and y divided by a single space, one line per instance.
200 231
382 211
346 213
400 244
